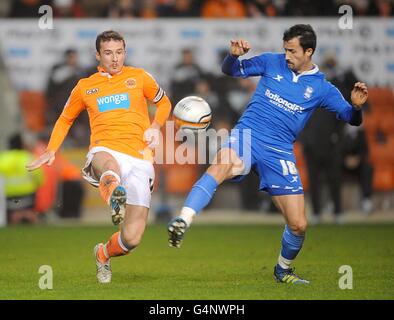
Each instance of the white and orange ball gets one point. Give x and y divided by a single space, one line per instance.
192 113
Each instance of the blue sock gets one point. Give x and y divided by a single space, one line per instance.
291 244
201 193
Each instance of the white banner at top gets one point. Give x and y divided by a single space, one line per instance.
156 45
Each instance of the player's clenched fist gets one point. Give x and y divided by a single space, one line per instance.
239 47
359 94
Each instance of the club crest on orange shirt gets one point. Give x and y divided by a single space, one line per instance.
92 91
131 83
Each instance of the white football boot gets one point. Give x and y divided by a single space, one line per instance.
104 273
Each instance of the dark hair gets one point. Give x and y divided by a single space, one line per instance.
69 52
107 36
15 142
306 34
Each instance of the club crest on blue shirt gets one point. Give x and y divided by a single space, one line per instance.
308 92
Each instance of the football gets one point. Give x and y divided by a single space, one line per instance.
192 113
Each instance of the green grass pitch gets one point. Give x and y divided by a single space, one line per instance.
215 262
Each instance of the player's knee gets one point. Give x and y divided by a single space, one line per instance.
103 161
225 165
131 241
220 172
298 227
110 164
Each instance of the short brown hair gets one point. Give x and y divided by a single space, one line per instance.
107 36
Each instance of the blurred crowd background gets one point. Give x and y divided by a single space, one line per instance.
343 168
149 9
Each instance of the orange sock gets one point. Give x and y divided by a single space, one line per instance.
107 185
101 256
114 247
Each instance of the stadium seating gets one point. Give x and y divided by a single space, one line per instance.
301 165
380 154
383 179
33 105
382 159
380 98
386 124
180 178
379 128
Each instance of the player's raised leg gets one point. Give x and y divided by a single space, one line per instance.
121 242
105 166
226 165
293 209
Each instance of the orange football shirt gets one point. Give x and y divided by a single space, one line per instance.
117 109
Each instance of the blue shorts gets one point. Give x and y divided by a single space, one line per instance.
276 168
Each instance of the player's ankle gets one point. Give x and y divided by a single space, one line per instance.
101 256
284 263
109 180
187 214
106 189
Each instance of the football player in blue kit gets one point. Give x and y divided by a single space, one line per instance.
290 88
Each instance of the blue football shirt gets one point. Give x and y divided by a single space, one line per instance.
284 101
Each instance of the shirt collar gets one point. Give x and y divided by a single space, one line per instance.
314 70
103 72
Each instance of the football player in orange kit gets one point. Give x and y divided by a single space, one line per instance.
121 140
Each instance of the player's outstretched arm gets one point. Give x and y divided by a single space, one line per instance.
46 158
232 66
71 110
333 101
359 94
